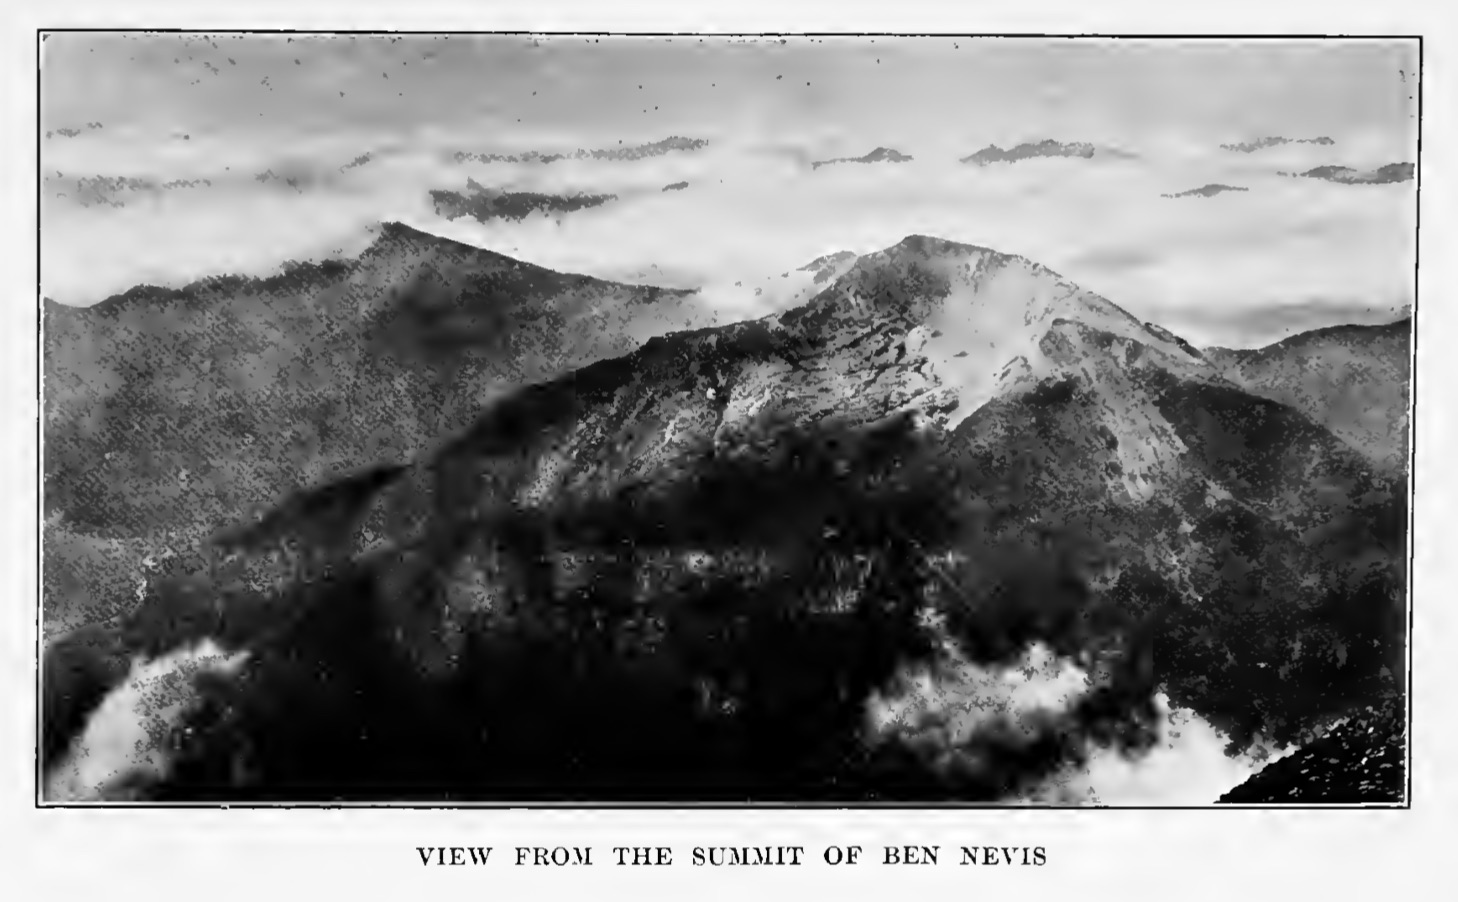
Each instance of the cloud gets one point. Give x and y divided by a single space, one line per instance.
750 215
955 697
950 707
1187 765
127 741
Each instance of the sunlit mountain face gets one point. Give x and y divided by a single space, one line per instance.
842 419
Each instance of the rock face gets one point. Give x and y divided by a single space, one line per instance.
691 566
1360 762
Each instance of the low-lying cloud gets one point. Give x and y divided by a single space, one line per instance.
949 708
746 217
127 741
1187 765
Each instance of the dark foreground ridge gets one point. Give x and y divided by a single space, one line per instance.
1360 762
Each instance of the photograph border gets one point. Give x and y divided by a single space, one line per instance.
587 805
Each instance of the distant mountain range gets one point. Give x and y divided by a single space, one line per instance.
485 204
674 144
1254 325
1206 191
1392 173
1046 148
1263 143
879 155
705 551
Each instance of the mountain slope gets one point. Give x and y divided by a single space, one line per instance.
1361 761
707 555
1351 379
169 412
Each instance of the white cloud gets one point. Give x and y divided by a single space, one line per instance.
748 215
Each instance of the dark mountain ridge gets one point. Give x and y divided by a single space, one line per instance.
1353 379
171 411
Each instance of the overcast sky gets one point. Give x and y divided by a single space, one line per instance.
227 107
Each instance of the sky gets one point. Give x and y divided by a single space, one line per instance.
206 115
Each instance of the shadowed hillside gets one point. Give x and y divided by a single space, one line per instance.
1351 379
169 412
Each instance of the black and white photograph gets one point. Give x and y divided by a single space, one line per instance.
616 419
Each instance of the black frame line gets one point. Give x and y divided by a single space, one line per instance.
1406 805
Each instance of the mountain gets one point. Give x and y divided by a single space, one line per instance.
1351 379
879 155
1046 148
171 411
1263 143
829 266
1391 173
485 204
668 145
705 556
1206 191
1360 761
1241 326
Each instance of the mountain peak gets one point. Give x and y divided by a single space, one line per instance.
393 232
930 245
397 238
